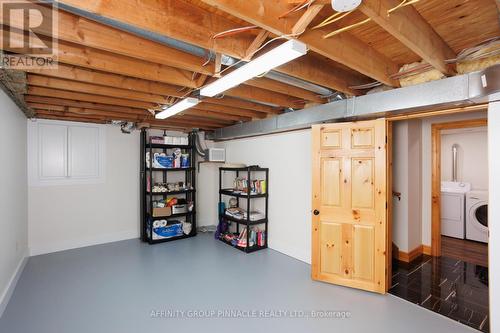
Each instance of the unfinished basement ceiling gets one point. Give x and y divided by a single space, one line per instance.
110 74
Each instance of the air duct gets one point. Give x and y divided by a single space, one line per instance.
457 91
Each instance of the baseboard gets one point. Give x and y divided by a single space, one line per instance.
427 250
11 285
38 249
412 255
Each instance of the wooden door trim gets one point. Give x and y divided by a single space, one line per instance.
436 175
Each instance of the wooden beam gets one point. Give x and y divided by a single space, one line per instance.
95 120
230 110
241 104
89 33
343 48
48 92
181 20
71 109
216 115
301 25
134 84
286 89
72 54
81 104
410 28
96 117
191 117
108 79
89 88
256 44
259 94
87 112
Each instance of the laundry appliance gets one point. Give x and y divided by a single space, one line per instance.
476 227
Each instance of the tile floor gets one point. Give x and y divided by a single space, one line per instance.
450 287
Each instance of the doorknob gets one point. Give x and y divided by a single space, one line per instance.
316 212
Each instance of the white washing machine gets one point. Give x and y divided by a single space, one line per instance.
476 226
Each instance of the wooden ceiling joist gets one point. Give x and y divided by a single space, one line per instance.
259 40
48 92
259 94
303 22
85 32
217 115
109 79
285 89
55 83
343 48
53 109
410 28
231 110
181 21
82 104
242 104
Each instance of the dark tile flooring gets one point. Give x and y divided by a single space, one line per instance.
450 287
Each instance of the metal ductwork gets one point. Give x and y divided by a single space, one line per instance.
463 90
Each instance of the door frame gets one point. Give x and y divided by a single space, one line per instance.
435 249
436 175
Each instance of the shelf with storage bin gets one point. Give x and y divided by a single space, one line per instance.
171 169
157 241
153 176
244 221
167 146
248 249
171 192
166 217
246 195
231 192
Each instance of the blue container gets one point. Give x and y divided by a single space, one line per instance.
185 161
169 231
165 161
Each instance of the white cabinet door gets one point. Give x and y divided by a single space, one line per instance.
65 153
83 152
52 151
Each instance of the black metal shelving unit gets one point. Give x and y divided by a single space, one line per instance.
147 197
248 171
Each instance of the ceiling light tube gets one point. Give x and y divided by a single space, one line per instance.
276 57
185 104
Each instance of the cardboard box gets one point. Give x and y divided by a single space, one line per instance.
165 211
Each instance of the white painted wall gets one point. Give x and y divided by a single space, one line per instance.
70 216
13 196
288 157
407 180
414 184
472 156
427 166
400 184
494 214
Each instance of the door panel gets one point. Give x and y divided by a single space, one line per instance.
363 170
331 241
331 172
349 244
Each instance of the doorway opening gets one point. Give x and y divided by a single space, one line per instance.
439 214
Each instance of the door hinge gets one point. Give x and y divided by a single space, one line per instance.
386 205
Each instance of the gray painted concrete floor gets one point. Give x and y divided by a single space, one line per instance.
115 287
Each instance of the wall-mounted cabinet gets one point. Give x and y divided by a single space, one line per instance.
65 153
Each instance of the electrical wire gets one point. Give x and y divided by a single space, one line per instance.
349 27
333 18
403 3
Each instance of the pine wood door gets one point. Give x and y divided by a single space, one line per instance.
349 224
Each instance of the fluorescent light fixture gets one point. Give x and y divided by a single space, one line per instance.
276 57
185 104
